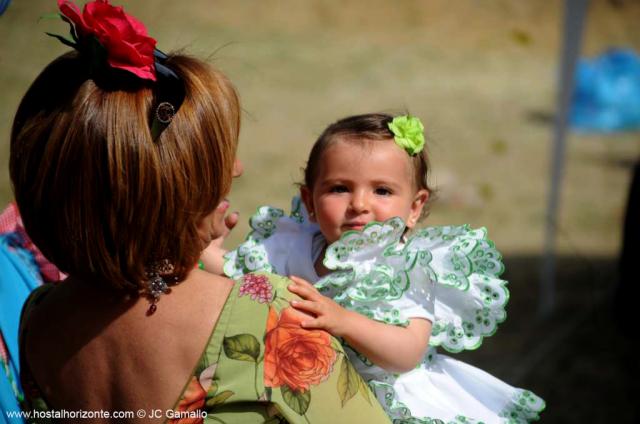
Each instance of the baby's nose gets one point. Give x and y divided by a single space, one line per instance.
359 202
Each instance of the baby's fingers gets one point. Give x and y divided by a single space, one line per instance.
306 306
303 291
302 282
313 324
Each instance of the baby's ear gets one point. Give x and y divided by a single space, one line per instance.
307 199
419 200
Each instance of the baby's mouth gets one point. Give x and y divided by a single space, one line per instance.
354 225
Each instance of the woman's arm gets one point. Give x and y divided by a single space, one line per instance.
396 349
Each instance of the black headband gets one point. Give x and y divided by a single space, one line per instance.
169 95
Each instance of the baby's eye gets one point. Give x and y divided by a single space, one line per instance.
383 191
338 189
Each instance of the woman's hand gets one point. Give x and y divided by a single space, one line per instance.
326 314
213 255
230 221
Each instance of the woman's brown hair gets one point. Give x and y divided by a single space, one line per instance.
98 196
358 128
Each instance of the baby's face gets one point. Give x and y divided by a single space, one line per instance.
362 182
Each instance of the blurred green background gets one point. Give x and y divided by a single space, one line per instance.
482 77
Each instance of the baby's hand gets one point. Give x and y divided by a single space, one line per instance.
328 314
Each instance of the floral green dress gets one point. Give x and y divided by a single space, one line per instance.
261 366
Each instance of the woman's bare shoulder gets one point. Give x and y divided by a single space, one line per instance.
110 347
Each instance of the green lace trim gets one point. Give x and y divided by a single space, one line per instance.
401 414
526 407
251 256
522 409
466 275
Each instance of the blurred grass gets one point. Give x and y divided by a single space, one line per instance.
481 75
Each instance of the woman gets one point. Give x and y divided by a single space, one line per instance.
136 150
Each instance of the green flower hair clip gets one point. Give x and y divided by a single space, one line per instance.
408 133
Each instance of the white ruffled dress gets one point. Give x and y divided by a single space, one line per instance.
448 275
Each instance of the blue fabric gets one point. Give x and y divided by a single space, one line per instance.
606 96
3 5
19 275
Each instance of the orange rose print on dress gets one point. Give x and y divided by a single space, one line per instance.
193 399
294 356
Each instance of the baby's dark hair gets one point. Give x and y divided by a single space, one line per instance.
357 128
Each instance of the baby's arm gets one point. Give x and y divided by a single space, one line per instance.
212 257
396 349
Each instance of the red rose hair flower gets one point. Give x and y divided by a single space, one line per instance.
123 37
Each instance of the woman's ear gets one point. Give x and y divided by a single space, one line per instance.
307 199
419 200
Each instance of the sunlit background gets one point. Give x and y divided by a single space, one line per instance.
482 75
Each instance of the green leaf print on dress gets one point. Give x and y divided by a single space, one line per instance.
348 381
298 401
242 347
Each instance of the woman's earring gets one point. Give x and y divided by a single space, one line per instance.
159 279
